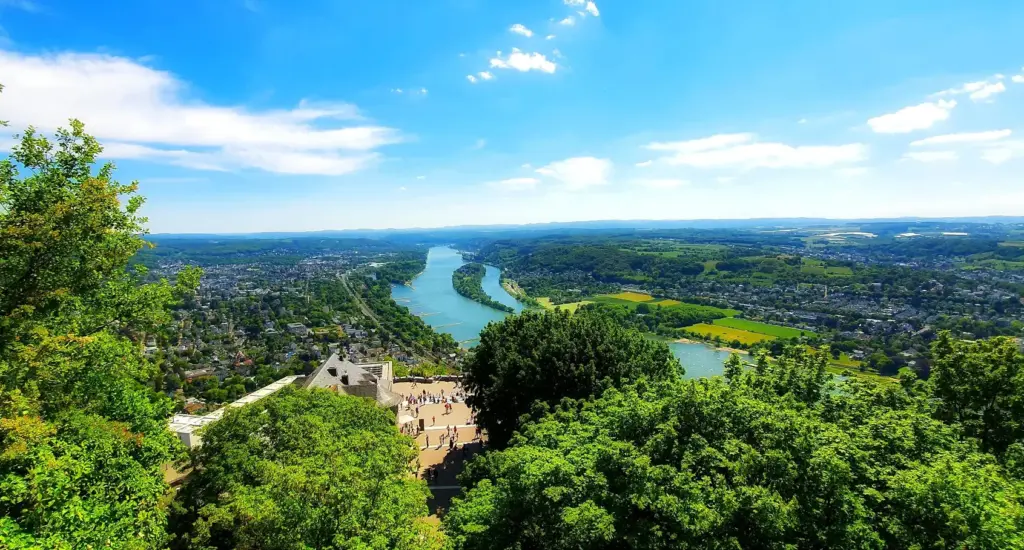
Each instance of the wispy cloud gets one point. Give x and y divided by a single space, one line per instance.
524 62
568 21
23 5
931 156
981 90
916 117
471 78
579 172
743 151
965 137
140 112
521 30
592 9
485 75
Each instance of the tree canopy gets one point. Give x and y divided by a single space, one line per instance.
304 469
82 439
773 457
545 357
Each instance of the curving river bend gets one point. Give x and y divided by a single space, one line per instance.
432 297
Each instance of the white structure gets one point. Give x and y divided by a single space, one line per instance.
186 426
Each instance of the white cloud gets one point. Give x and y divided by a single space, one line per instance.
396 90
422 91
579 172
661 183
744 152
725 180
965 137
402 189
471 79
515 184
144 113
980 90
931 156
644 164
1018 78
703 144
568 21
552 37
917 117
520 29
421 177
575 2
592 9
556 53
1004 152
485 75
524 62
988 91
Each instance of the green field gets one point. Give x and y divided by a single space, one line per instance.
616 300
817 267
728 334
632 297
763 328
1013 244
571 308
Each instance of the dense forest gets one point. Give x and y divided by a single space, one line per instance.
468 281
778 456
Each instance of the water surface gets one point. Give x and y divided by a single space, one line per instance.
432 297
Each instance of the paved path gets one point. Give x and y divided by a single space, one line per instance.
448 463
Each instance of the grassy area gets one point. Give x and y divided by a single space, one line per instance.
763 328
818 267
632 297
728 334
999 265
1013 244
665 303
571 307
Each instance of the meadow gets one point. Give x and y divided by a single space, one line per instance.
763 328
571 307
817 267
728 334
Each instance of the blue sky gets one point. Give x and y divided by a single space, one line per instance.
267 115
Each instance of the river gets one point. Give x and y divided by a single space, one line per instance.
432 297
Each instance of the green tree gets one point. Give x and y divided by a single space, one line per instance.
82 438
980 385
304 469
545 357
772 457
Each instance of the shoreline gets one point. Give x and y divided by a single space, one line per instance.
712 346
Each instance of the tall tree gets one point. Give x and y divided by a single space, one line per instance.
769 458
980 385
82 438
542 358
305 469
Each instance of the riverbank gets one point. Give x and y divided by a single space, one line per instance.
708 344
468 281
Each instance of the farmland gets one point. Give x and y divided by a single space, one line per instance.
632 297
763 328
728 334
571 308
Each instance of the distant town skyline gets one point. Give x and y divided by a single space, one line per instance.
269 116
